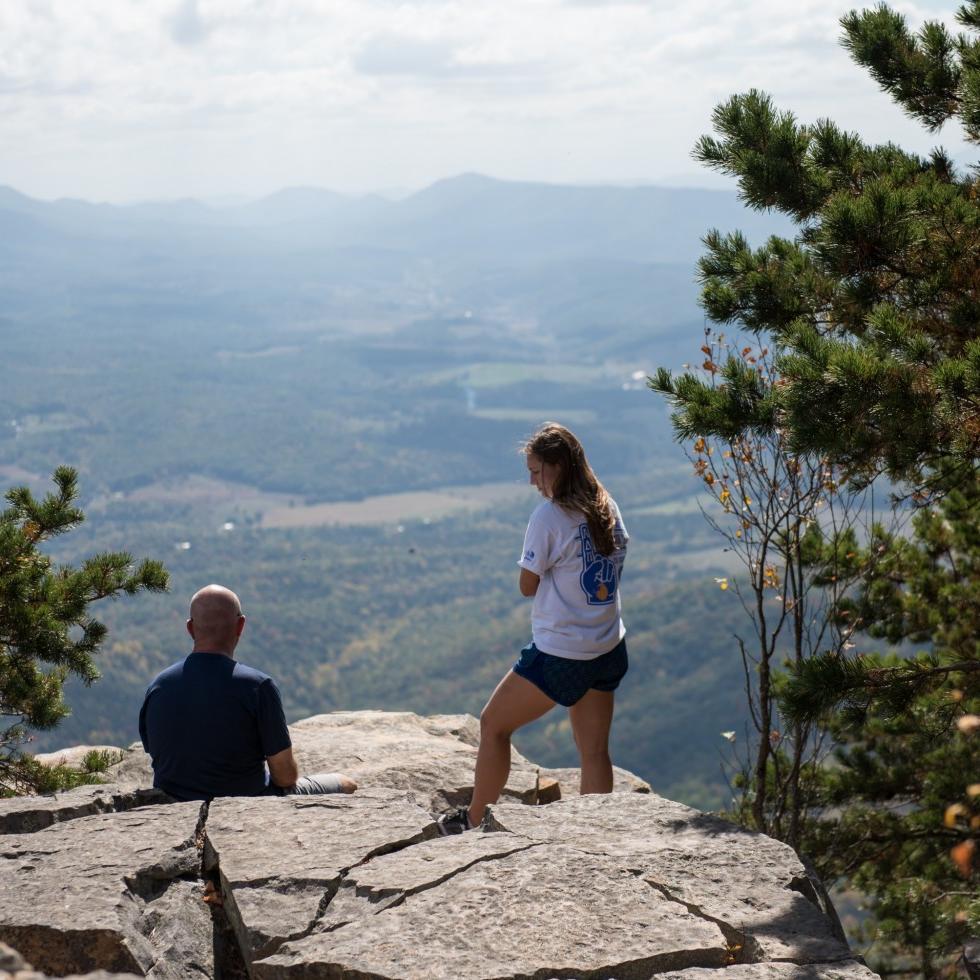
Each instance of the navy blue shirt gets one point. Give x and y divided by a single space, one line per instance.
209 723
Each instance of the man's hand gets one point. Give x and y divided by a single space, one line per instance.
283 769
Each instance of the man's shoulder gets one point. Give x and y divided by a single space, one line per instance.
250 674
168 673
210 669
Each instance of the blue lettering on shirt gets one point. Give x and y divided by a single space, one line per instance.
598 578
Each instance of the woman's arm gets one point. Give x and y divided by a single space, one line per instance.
529 582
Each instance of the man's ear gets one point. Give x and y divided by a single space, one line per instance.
190 627
240 626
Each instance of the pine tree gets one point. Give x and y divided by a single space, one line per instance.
793 536
46 632
873 312
874 306
903 793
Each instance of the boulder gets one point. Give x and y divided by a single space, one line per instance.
472 907
27 814
280 891
113 891
13 966
848 970
119 879
755 888
431 757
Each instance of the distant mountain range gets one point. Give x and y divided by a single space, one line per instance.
465 218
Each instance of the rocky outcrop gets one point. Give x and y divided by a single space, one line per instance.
622 886
13 966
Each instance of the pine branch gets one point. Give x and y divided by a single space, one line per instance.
921 73
828 682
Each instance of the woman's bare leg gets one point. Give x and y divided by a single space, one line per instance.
591 719
514 703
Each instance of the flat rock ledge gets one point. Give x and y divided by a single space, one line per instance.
118 881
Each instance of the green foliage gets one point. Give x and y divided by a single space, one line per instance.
42 778
46 632
898 789
872 311
795 536
872 307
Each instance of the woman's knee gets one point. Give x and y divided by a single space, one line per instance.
493 726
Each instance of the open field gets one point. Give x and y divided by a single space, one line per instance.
385 508
223 500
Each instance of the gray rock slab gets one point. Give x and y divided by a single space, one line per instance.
755 887
13 966
134 769
846 970
282 859
391 878
100 893
545 911
434 757
28 814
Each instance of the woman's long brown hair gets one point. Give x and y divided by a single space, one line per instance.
576 487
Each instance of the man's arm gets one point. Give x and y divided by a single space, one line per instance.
144 734
283 769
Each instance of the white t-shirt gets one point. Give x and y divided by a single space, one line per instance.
576 611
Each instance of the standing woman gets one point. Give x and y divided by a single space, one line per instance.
574 549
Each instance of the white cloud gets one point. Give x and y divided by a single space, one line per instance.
141 98
186 25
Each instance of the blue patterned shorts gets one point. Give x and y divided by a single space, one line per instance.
567 681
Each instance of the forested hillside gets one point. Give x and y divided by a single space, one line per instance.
221 377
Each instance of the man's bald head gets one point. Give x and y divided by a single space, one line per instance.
216 620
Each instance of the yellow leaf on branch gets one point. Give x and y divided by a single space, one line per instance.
953 813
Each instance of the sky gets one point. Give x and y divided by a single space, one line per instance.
131 100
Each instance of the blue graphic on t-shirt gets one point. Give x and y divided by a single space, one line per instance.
598 576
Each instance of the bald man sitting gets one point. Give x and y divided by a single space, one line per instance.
212 725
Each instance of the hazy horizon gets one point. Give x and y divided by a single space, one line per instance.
710 182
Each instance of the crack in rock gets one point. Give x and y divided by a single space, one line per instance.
619 927
392 847
325 863
400 896
330 889
811 886
850 955
29 814
376 896
742 948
